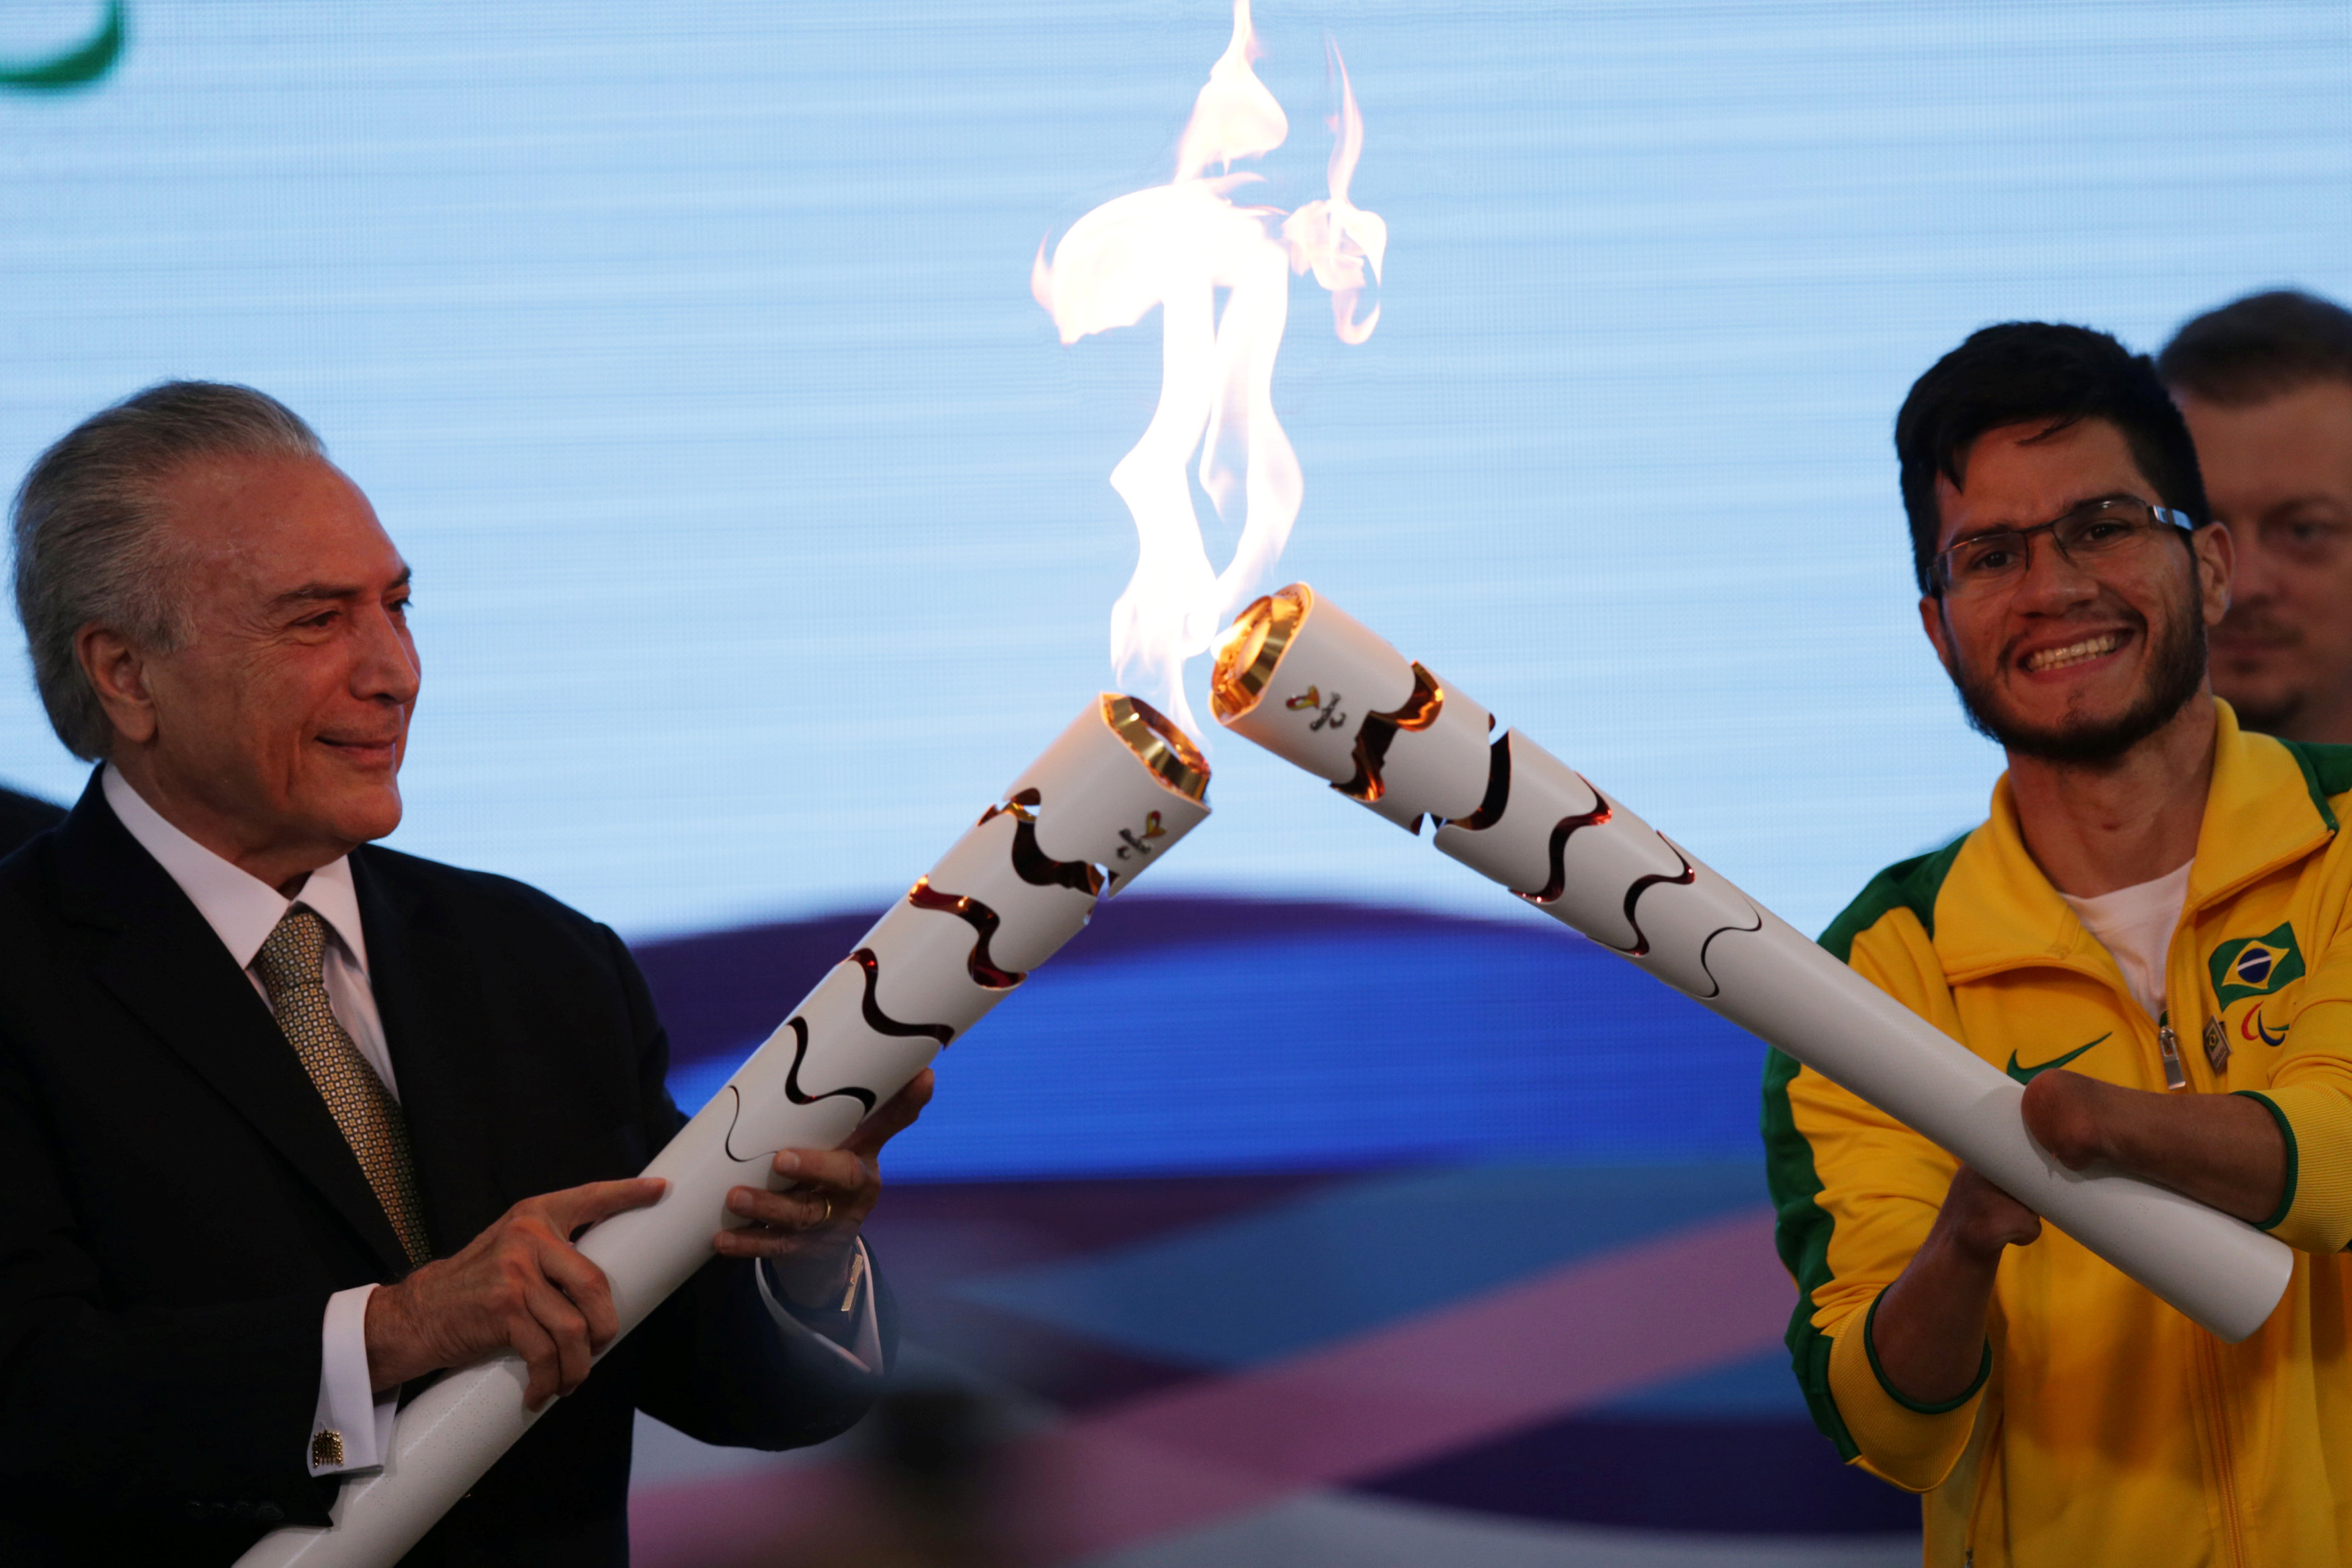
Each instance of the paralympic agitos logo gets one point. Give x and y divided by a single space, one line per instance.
79 66
2256 966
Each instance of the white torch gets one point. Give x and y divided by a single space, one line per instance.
1300 677
1108 798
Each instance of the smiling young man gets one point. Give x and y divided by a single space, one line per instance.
2266 386
2152 933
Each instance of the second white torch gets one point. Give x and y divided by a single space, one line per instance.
1306 680
1109 798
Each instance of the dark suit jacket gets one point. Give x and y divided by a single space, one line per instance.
21 815
176 1206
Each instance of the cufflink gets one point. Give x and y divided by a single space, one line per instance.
326 1449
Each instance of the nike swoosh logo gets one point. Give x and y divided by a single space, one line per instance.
2028 1074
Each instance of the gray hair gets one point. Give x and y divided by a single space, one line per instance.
88 547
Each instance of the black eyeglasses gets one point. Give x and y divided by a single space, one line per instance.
2096 533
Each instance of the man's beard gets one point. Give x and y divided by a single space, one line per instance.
2175 669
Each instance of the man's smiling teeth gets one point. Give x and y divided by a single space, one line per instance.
2074 653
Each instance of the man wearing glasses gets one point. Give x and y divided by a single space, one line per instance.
2266 384
2154 934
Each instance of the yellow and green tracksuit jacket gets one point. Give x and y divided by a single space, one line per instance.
2106 1427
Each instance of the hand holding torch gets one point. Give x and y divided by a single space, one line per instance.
1109 798
1302 679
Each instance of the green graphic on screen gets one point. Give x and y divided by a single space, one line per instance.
83 64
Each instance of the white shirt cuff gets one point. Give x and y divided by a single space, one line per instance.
865 1350
353 1428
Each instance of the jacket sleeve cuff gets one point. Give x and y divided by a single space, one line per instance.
1913 1445
855 1335
2315 1211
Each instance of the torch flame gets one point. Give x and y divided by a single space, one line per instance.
1176 246
1234 116
1335 237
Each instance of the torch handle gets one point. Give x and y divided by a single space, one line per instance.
1111 795
1785 989
2218 1271
1582 858
1310 683
448 1436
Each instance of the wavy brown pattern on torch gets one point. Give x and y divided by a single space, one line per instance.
1033 865
1724 930
792 1090
1419 711
1498 799
1561 831
981 919
881 1023
1642 884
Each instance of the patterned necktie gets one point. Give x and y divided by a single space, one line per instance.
292 966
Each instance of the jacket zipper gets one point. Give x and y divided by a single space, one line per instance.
2224 1472
2175 1075
2209 1364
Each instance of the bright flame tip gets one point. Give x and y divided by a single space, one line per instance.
1180 247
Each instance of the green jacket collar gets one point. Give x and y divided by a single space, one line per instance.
1997 911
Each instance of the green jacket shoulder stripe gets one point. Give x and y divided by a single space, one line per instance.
1803 1226
1910 885
2327 773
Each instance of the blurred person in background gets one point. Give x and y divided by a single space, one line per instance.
2266 386
924 1485
21 815
2152 934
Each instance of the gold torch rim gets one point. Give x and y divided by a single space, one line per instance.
1157 743
1251 648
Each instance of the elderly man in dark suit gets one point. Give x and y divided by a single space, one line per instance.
288 1121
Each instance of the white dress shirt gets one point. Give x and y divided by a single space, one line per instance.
243 911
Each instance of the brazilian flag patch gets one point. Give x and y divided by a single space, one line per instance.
2256 966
